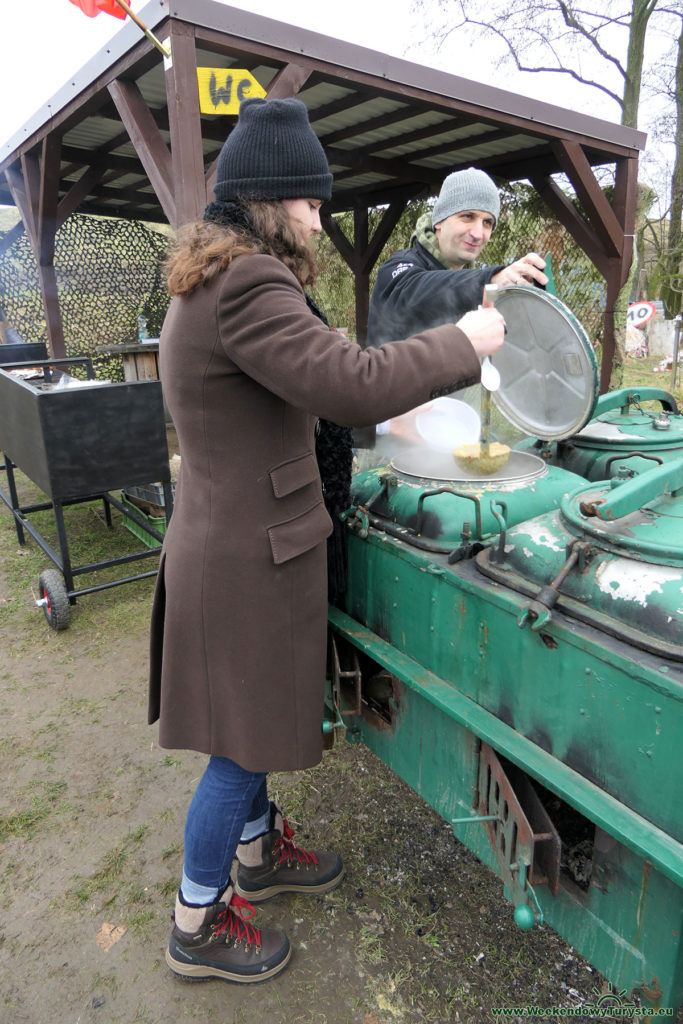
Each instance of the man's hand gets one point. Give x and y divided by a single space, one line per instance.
485 328
525 271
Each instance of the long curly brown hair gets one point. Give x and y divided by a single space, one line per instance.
205 248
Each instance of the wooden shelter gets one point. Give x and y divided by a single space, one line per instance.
125 138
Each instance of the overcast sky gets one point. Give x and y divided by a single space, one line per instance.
44 42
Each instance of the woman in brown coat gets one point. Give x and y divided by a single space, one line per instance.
239 620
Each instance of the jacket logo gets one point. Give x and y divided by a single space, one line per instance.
401 268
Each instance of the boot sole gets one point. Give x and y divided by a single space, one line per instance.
203 972
260 895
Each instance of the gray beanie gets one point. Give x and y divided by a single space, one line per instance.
466 190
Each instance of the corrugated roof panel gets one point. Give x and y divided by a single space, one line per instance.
450 134
387 135
93 133
359 110
321 93
477 152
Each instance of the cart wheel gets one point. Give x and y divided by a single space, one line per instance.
57 608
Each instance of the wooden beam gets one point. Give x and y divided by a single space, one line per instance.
41 180
17 187
288 81
53 313
575 165
380 237
361 222
79 191
567 214
338 238
625 205
48 198
613 278
30 169
373 195
148 142
184 119
26 189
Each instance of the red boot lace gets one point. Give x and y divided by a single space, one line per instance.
288 849
235 921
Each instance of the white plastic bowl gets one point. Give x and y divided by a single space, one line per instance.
448 424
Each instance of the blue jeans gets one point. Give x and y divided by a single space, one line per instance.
229 802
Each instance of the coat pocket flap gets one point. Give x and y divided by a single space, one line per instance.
299 534
295 473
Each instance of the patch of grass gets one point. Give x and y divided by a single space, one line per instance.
111 877
172 851
140 922
103 615
44 798
168 761
74 707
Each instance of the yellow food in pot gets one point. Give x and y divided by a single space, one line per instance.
484 459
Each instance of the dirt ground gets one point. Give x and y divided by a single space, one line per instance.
91 818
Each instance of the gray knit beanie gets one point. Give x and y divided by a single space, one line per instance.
272 153
466 190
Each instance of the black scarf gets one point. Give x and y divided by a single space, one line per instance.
333 444
334 452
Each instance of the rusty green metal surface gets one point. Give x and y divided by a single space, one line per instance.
635 831
558 642
630 922
627 577
461 507
589 700
622 436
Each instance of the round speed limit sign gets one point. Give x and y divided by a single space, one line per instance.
640 312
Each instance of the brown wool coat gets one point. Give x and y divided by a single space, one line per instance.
238 635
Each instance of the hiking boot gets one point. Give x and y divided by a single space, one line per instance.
218 942
273 863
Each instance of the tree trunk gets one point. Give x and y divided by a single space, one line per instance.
640 16
672 291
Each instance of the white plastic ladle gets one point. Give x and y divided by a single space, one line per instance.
490 376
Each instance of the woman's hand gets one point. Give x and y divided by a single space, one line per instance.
525 271
485 328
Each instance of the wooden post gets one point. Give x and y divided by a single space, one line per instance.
34 189
184 119
148 142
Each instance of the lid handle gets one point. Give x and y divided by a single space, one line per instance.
626 397
633 494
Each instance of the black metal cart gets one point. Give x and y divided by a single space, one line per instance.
78 441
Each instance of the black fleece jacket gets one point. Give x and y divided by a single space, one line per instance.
414 292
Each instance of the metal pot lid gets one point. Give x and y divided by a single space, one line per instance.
640 517
548 369
620 420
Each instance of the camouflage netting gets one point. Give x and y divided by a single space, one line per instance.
109 271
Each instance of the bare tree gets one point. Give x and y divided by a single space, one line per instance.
601 44
669 270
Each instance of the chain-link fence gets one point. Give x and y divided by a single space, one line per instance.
109 272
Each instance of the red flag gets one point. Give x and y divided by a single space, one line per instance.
93 7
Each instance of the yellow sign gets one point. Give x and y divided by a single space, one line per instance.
221 90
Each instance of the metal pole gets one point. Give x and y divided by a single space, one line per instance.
677 337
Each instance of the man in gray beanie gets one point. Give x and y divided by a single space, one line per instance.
430 283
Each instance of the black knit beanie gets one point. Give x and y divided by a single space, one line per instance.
272 153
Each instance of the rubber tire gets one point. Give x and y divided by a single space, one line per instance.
57 610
